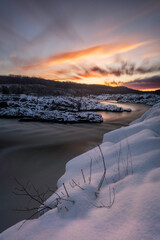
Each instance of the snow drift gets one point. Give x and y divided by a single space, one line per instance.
127 205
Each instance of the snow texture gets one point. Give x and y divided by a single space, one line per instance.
127 206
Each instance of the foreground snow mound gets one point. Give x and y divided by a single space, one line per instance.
121 203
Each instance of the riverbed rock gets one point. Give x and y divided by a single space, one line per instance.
55 109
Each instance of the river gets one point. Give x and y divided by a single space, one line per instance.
38 152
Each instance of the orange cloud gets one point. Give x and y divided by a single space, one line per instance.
105 50
64 57
113 83
94 71
68 79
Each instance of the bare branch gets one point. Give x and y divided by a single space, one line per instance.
38 194
104 173
19 194
66 209
68 200
34 214
25 209
90 172
26 192
65 190
129 153
76 184
119 159
58 195
72 186
83 176
111 202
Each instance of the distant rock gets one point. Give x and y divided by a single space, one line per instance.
148 99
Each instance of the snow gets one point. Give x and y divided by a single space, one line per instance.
127 207
152 112
55 109
148 99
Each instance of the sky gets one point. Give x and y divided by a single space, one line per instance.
111 42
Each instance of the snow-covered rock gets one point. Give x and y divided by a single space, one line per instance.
56 109
148 99
127 206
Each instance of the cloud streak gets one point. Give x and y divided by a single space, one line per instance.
146 83
125 68
100 51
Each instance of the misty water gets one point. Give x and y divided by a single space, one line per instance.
37 152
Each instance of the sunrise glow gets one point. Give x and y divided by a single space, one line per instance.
123 50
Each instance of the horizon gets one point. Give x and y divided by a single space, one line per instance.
92 42
74 82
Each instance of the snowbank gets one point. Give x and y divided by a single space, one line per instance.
127 205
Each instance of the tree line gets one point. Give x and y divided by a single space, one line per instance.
17 84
